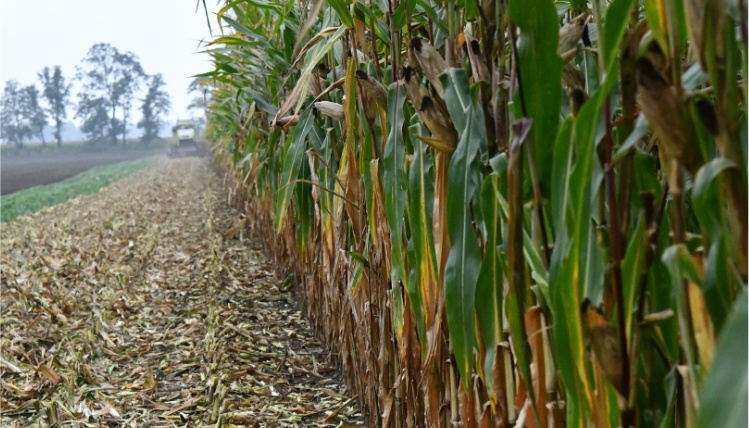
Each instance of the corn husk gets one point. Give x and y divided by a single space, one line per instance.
478 67
603 341
572 76
571 33
423 56
287 121
375 94
668 117
331 109
414 89
577 99
360 56
438 121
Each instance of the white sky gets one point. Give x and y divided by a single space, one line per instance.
164 34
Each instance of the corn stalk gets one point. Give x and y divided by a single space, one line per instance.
502 213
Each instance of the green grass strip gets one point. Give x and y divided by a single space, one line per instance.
35 198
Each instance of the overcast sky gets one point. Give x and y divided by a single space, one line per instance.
164 34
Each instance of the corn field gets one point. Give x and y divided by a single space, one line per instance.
501 213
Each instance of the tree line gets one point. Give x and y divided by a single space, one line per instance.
109 80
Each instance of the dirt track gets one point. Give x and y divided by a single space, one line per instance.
22 171
143 305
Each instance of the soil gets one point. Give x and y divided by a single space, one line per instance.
21 171
145 304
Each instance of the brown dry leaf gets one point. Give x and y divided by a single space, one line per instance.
534 326
150 382
50 374
10 366
704 333
23 393
238 226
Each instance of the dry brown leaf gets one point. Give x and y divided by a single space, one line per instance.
10 366
155 300
50 374
238 226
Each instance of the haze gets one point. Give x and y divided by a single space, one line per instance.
164 34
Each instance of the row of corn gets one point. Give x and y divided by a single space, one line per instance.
502 213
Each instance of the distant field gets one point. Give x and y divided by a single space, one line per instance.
37 165
36 198
35 148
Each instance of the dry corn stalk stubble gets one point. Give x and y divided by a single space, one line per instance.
128 308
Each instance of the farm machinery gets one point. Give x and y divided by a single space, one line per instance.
185 139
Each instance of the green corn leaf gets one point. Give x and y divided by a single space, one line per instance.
530 252
291 166
366 157
560 174
641 128
342 9
423 291
464 260
229 40
680 265
303 212
617 18
570 272
394 182
725 392
261 102
457 95
489 286
471 9
708 173
540 68
252 34
381 29
633 267
719 282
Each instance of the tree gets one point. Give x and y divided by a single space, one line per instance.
32 112
56 92
133 76
110 80
12 124
96 118
154 105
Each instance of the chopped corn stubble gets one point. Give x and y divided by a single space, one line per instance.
129 308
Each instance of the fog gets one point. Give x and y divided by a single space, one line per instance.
164 34
166 37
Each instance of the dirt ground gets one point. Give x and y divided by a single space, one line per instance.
145 305
21 171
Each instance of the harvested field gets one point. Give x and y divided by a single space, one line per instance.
129 307
27 170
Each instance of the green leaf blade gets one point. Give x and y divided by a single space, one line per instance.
464 260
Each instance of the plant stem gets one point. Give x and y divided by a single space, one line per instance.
500 105
373 35
654 226
616 255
